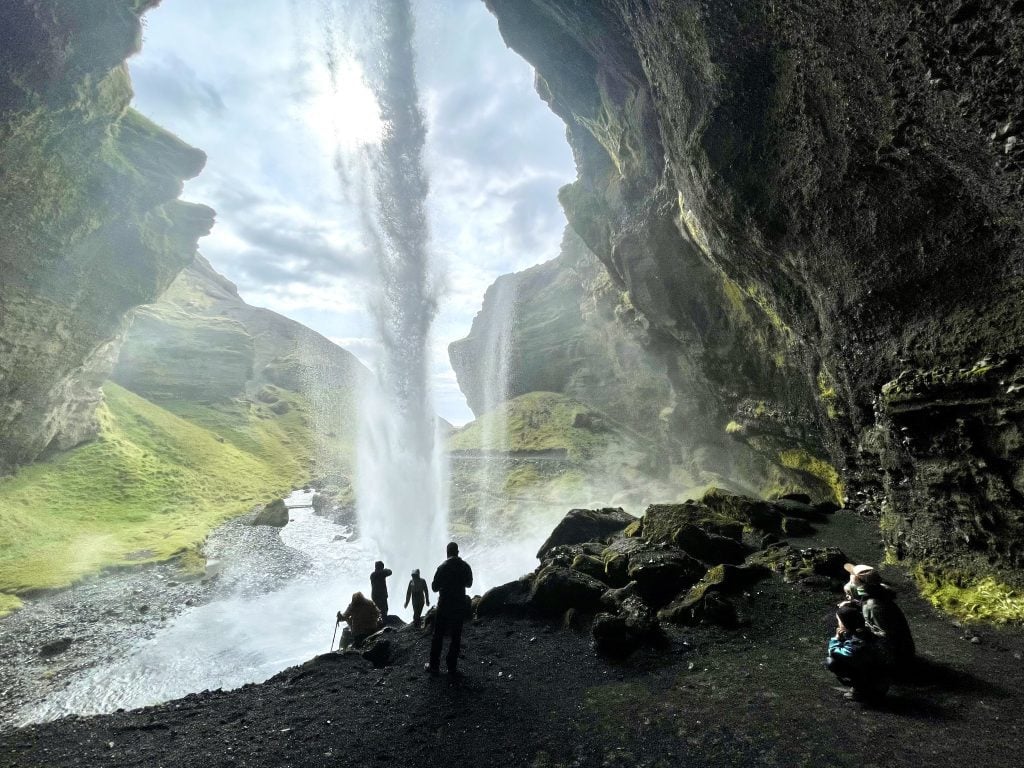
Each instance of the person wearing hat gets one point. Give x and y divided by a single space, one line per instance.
854 657
417 592
881 614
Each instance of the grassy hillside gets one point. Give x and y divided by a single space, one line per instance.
150 487
537 421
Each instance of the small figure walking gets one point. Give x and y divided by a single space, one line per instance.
379 587
417 592
363 620
451 580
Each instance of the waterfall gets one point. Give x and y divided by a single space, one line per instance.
494 435
401 467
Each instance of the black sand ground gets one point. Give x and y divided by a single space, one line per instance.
536 695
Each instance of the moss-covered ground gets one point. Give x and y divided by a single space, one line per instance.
149 488
537 421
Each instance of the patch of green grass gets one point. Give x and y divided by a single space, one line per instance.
8 603
802 461
149 488
971 599
536 421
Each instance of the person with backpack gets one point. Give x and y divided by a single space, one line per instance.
379 587
417 592
855 656
882 615
451 580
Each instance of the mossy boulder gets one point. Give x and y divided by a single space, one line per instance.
753 513
709 548
695 606
581 525
592 566
810 564
274 514
662 521
661 574
557 589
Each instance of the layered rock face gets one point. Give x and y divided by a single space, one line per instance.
91 223
201 343
817 210
569 332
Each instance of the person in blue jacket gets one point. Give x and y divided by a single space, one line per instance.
856 657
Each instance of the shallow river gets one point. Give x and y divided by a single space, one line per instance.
254 626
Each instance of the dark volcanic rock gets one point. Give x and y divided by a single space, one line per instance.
556 589
796 200
56 648
661 574
582 525
512 598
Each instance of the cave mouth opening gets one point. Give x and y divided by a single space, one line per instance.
273 119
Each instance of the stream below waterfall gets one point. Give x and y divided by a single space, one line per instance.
141 637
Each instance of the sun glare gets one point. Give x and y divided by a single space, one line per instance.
343 114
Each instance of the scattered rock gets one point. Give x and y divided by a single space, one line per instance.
56 647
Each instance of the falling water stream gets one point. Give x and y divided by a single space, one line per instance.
247 632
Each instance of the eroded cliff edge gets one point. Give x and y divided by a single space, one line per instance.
91 223
817 210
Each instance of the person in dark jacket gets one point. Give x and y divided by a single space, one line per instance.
417 592
451 580
855 658
379 587
881 614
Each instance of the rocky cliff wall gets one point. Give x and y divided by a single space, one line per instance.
91 223
817 209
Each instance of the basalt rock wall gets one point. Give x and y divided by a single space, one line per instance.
91 223
817 208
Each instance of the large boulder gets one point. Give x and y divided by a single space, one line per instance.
662 521
274 514
661 574
710 548
512 598
755 513
583 525
557 589
811 565
704 601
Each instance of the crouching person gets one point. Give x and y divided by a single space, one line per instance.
363 619
856 657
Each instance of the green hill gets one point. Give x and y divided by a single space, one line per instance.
148 488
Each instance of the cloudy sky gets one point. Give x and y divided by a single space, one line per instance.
247 81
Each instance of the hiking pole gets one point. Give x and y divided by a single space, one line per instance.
336 623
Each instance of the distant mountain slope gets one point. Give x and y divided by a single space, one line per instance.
217 407
202 352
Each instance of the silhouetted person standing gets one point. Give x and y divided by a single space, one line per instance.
451 580
379 587
417 592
